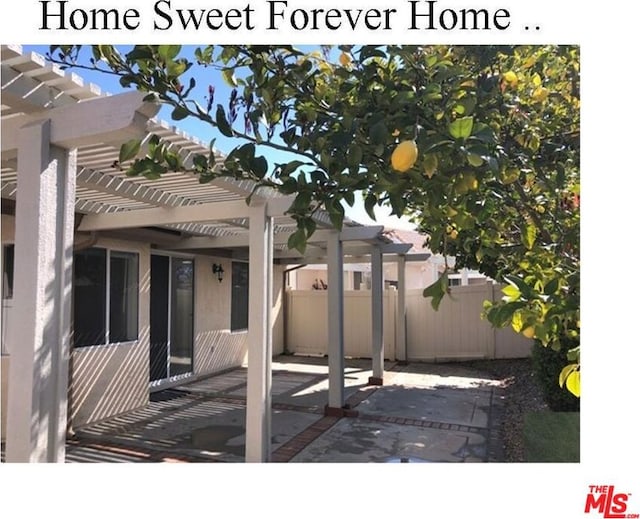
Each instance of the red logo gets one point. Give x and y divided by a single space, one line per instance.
604 500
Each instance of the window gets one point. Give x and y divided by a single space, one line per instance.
8 252
101 315
239 296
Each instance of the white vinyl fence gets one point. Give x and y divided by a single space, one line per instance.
455 332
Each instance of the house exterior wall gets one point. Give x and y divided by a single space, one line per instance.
111 379
216 347
106 380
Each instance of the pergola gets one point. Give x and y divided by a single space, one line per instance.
60 139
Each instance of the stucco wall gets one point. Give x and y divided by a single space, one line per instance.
216 347
112 379
107 380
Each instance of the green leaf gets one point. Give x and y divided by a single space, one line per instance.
369 203
259 166
437 290
349 198
129 150
551 287
222 123
525 289
309 225
529 236
461 128
168 52
229 77
574 354
173 160
512 293
179 113
200 162
245 155
501 314
298 241
290 167
301 202
379 133
517 322
336 213
289 186
354 156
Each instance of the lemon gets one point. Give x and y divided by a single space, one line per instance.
511 78
529 332
396 132
404 156
345 59
475 160
453 234
540 94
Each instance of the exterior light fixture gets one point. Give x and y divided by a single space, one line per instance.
218 271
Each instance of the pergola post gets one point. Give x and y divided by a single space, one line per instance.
335 301
377 340
258 428
401 317
40 331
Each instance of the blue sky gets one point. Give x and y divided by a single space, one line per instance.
204 132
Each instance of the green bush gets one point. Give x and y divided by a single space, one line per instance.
547 364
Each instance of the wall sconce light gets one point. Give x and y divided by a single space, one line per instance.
218 271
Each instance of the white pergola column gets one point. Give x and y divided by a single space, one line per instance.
40 330
335 300
258 429
377 346
401 317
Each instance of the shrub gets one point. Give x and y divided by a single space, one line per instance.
547 364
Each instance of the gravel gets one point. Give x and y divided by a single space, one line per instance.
521 396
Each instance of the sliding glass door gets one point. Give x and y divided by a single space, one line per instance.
171 352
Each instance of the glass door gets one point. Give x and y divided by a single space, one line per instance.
181 344
171 338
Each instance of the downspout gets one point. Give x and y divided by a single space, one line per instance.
285 333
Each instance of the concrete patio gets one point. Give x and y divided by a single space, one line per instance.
423 413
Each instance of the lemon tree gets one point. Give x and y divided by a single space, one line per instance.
479 145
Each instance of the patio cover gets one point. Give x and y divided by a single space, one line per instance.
63 136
